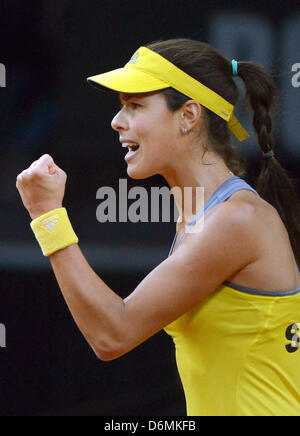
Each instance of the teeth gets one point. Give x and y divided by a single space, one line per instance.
130 146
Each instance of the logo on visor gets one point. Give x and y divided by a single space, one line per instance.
134 58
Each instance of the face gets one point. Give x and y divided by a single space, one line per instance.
148 130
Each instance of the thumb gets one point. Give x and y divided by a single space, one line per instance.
52 169
47 161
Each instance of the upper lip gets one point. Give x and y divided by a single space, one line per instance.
127 141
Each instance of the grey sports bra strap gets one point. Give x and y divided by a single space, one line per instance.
223 192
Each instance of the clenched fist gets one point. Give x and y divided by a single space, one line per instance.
42 186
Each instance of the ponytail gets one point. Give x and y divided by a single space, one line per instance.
273 182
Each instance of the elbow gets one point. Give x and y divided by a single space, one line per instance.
109 345
106 353
106 356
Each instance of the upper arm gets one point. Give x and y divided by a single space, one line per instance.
204 260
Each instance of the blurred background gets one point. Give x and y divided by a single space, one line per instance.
48 49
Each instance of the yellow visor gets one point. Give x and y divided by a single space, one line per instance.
148 71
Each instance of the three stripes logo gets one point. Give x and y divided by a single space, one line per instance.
134 58
50 223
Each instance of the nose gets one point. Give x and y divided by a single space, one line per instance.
119 122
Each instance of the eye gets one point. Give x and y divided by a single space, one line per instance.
135 105
130 105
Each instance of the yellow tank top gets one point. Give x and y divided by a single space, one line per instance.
238 351
238 354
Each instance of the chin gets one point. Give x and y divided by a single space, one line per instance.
139 173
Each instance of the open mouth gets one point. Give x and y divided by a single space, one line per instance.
131 147
132 150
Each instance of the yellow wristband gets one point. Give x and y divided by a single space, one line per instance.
54 231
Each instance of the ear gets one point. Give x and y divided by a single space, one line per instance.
191 114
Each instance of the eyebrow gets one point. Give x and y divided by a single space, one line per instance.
126 97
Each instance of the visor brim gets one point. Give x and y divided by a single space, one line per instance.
127 80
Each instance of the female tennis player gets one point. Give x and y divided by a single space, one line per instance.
229 295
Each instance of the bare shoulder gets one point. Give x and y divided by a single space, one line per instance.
253 210
250 224
240 213
225 244
274 266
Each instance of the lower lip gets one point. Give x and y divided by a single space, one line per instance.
130 155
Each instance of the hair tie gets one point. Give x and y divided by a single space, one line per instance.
234 67
269 154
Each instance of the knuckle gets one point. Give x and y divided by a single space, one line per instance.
61 172
45 157
35 174
34 164
21 176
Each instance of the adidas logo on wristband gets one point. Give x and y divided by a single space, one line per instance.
63 235
50 222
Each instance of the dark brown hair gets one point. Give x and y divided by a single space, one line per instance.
210 67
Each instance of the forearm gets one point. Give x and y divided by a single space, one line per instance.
99 313
96 309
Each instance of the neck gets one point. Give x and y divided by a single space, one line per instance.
193 187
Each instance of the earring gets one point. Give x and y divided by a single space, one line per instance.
184 130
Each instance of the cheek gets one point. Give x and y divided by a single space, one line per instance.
155 130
